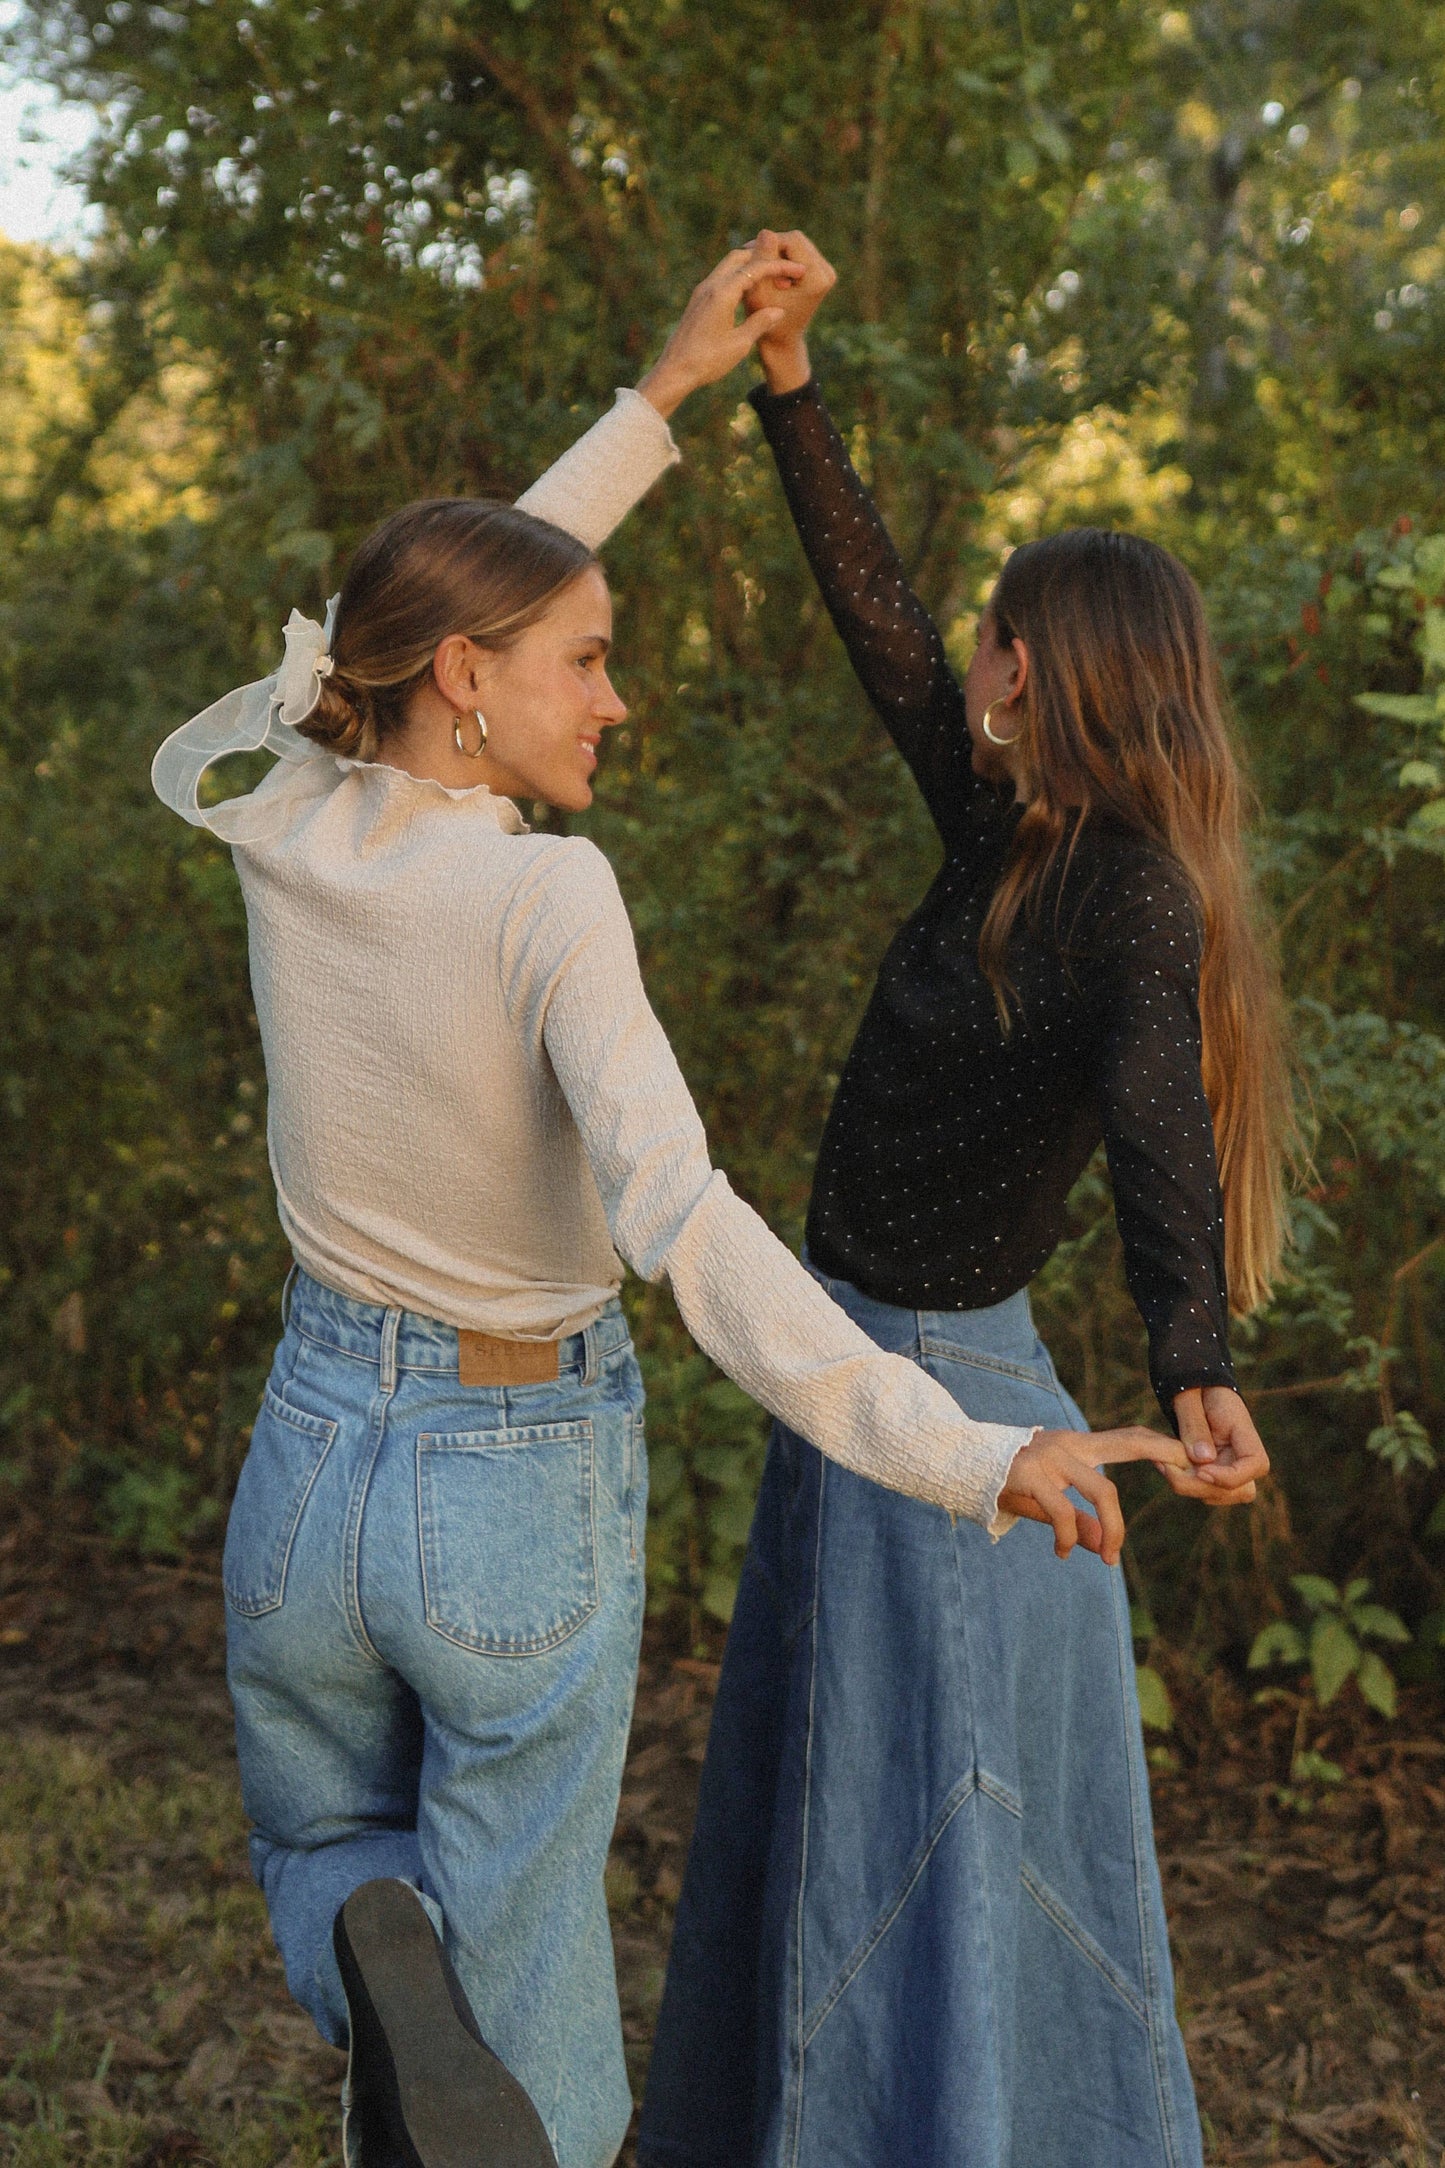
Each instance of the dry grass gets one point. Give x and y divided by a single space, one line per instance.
144 2021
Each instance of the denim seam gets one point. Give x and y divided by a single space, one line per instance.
1000 1794
990 1786
356 1512
1054 1908
794 2139
322 1428
386 1354
348 1354
859 1955
629 1481
361 1492
1163 2092
291 1349
806 1623
636 1477
948 1351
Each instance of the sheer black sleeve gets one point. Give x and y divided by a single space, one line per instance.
892 642
1144 975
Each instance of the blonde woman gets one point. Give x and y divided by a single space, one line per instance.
433 1565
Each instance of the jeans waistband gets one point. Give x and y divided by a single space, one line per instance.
405 1340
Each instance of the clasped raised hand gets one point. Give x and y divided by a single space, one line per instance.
783 347
709 339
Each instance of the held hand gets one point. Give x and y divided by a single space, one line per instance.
709 340
1226 1453
1057 1461
783 350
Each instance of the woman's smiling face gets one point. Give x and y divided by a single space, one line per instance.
547 699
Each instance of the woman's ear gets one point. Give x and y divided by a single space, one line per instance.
459 669
1019 675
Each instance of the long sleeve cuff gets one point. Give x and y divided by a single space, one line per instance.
591 489
765 402
1186 1379
751 1306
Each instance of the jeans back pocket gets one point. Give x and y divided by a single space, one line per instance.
508 1541
287 1449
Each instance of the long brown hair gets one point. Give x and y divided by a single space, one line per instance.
1124 714
445 565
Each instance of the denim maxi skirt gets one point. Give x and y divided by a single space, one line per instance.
433 1608
922 1925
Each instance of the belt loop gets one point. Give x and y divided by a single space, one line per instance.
286 1286
390 1327
591 1358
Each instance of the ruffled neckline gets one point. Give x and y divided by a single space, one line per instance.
503 811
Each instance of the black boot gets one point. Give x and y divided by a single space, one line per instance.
423 2089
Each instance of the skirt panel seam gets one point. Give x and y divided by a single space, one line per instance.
862 1950
1054 1908
1163 2091
1000 1794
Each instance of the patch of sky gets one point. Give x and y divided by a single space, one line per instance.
41 137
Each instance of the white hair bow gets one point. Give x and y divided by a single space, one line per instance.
249 719
305 663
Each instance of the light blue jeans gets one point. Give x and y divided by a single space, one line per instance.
433 1608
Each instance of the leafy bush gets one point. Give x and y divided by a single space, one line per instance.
1332 1646
355 256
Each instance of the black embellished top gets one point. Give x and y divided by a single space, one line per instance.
951 1148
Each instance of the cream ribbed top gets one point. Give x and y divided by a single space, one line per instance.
475 1114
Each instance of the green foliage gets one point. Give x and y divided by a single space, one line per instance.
1156 1710
1402 1443
1178 270
1309 1767
1332 1645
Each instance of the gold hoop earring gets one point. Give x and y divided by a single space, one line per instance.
988 730
472 752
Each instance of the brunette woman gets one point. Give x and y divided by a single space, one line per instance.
922 1918
433 1566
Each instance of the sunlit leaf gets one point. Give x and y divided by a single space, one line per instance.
1399 707
1380 1623
1277 1643
1376 1682
1155 1708
1334 1654
1318 1593
1311 1767
719 1595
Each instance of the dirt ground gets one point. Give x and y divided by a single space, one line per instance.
144 2021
